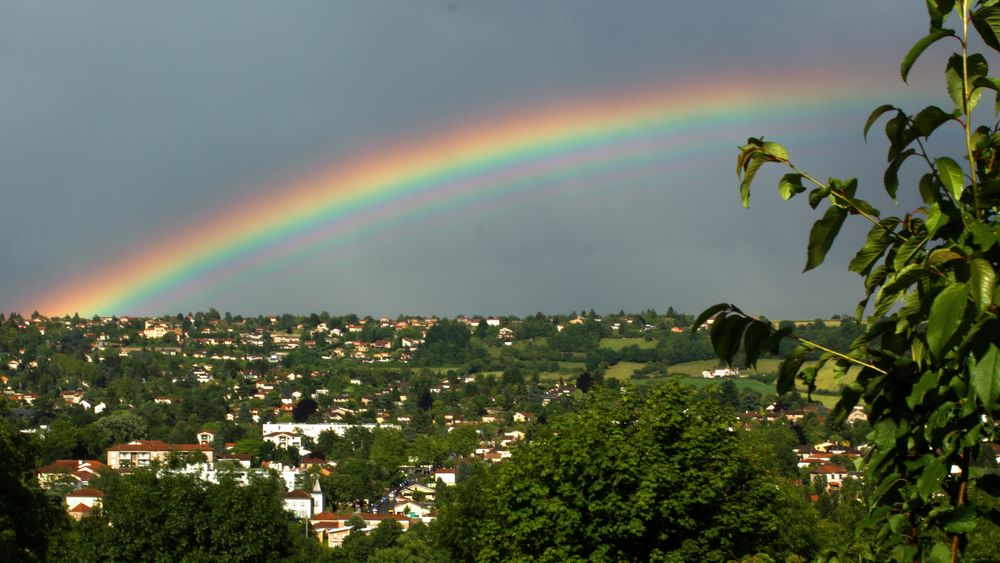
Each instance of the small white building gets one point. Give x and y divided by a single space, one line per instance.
447 476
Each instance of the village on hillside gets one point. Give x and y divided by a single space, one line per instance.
363 420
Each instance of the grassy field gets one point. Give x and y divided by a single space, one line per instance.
622 371
690 372
619 343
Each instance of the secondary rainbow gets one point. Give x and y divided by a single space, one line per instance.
565 145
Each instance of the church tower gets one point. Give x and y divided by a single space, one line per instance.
317 497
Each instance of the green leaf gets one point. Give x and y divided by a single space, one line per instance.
748 175
940 553
822 235
789 185
946 317
789 368
875 245
982 283
776 150
951 176
930 118
875 278
935 219
885 434
753 341
904 278
929 190
953 80
747 153
989 483
977 66
848 398
817 196
930 478
927 381
987 82
891 176
907 250
985 375
987 23
985 235
962 520
939 256
919 47
707 314
938 11
879 111
726 336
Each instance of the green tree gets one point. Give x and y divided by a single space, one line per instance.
928 356
121 428
653 475
27 517
304 409
164 517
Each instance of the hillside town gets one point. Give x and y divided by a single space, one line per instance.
273 395
365 421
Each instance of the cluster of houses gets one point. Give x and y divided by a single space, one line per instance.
411 502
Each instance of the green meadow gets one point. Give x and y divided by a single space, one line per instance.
619 343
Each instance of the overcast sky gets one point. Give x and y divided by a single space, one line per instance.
123 120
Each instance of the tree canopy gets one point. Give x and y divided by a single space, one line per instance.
928 359
652 475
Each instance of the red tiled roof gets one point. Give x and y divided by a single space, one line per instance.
80 508
830 468
298 493
157 446
71 466
330 516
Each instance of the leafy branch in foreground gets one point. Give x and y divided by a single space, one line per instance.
928 362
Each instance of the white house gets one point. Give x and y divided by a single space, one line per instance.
448 476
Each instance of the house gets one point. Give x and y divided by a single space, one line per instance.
331 528
511 437
448 476
523 417
284 439
858 413
80 502
719 373
412 509
205 437
76 472
241 460
72 397
299 503
141 453
417 491
833 473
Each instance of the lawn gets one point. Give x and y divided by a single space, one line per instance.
619 343
622 371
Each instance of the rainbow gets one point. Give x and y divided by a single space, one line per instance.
564 146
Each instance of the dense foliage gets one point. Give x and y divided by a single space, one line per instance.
929 358
148 516
26 513
660 475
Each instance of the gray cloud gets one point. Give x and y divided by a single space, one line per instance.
121 120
